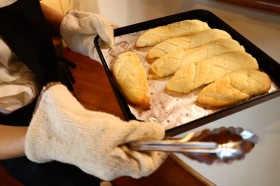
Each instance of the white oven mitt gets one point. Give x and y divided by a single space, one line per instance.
78 29
63 130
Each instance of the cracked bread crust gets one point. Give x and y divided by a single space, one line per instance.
131 77
158 34
234 88
198 74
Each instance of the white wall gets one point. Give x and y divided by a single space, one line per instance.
262 28
65 5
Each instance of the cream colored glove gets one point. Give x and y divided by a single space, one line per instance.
78 29
63 130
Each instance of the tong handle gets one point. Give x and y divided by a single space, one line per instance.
174 146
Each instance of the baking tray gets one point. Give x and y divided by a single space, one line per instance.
266 64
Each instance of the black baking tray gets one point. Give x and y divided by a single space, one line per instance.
266 63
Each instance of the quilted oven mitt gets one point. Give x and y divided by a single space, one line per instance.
63 130
78 29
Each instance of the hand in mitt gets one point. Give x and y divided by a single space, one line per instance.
63 130
78 29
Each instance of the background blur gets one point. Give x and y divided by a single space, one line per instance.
260 27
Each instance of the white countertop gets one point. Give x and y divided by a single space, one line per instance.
262 165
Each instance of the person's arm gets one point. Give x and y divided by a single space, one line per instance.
53 18
12 141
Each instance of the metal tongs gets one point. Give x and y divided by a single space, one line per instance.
222 144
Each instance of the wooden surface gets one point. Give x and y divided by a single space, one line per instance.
6 179
93 90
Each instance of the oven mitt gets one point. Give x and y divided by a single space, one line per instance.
63 130
78 30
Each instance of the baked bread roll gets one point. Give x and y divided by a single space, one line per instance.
158 34
234 88
196 74
131 77
170 63
185 42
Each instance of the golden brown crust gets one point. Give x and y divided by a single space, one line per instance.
158 34
185 42
234 88
197 74
131 77
171 62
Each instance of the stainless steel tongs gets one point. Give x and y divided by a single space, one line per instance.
225 143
